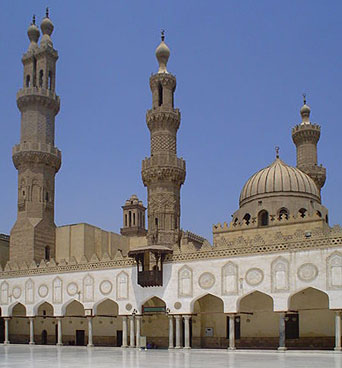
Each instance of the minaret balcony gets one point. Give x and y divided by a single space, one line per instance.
32 95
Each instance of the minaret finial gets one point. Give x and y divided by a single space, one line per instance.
162 32
304 98
33 19
162 54
277 151
47 12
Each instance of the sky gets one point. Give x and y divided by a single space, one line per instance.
241 69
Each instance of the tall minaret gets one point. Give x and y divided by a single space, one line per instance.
163 173
306 136
36 158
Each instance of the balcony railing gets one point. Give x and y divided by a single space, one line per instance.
150 278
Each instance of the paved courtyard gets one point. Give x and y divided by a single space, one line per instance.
52 357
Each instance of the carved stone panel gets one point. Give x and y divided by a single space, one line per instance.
280 275
88 289
57 295
106 287
206 280
72 288
43 291
307 272
229 279
122 286
334 271
4 293
185 282
254 276
16 292
29 292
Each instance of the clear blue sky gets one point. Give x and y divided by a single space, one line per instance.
241 69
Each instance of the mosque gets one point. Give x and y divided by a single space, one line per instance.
271 279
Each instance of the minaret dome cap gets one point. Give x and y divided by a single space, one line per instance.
33 31
162 54
46 25
305 111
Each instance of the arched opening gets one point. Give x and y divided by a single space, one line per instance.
41 75
2 328
107 326
283 214
28 80
209 323
258 323
247 218
263 218
19 330
160 94
302 212
314 319
318 213
47 253
50 80
44 337
154 324
74 325
45 321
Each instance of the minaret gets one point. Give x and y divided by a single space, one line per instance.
133 217
306 136
36 158
163 173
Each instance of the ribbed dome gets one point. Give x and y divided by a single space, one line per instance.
279 179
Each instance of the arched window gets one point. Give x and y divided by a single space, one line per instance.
28 80
319 214
235 221
160 94
156 222
247 218
326 219
50 80
302 212
47 253
47 197
126 219
263 218
283 214
41 74
133 219
129 218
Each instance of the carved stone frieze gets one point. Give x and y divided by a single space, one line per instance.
254 276
307 272
155 174
43 291
206 280
22 158
16 292
106 287
72 289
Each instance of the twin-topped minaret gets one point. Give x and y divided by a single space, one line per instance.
306 136
36 158
163 173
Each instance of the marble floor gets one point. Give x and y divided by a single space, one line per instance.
71 357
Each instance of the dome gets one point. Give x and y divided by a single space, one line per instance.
162 54
279 179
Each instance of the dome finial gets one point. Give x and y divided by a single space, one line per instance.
33 19
305 111
47 12
277 151
162 54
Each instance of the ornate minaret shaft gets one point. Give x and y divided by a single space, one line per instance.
306 136
36 158
163 173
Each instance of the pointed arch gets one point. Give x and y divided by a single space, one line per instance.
102 306
308 298
17 309
256 299
68 305
153 301
122 288
185 282
43 303
204 296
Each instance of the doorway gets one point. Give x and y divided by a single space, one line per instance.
119 338
80 337
44 337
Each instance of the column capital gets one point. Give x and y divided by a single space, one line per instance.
178 316
170 316
186 316
138 316
7 318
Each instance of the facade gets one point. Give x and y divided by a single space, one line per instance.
271 279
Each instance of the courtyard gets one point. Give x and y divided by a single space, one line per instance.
52 356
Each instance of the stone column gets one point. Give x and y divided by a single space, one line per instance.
31 331
90 332
338 346
6 341
131 332
124 332
138 318
231 332
59 331
282 346
170 331
178 331
187 332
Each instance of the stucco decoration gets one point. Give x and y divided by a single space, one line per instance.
72 288
178 305
206 280
307 272
43 291
129 306
229 279
57 286
280 275
122 286
106 287
334 271
185 282
16 292
88 289
4 293
254 276
29 292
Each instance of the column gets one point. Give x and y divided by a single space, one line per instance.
282 346
231 332
90 332
338 331
131 332
124 332
187 332
31 331
178 331
7 319
170 331
59 331
138 318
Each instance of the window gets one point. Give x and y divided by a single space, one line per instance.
126 220
28 81
319 214
263 218
47 253
129 218
41 74
50 80
283 214
160 94
134 219
302 212
47 197
156 222
247 218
